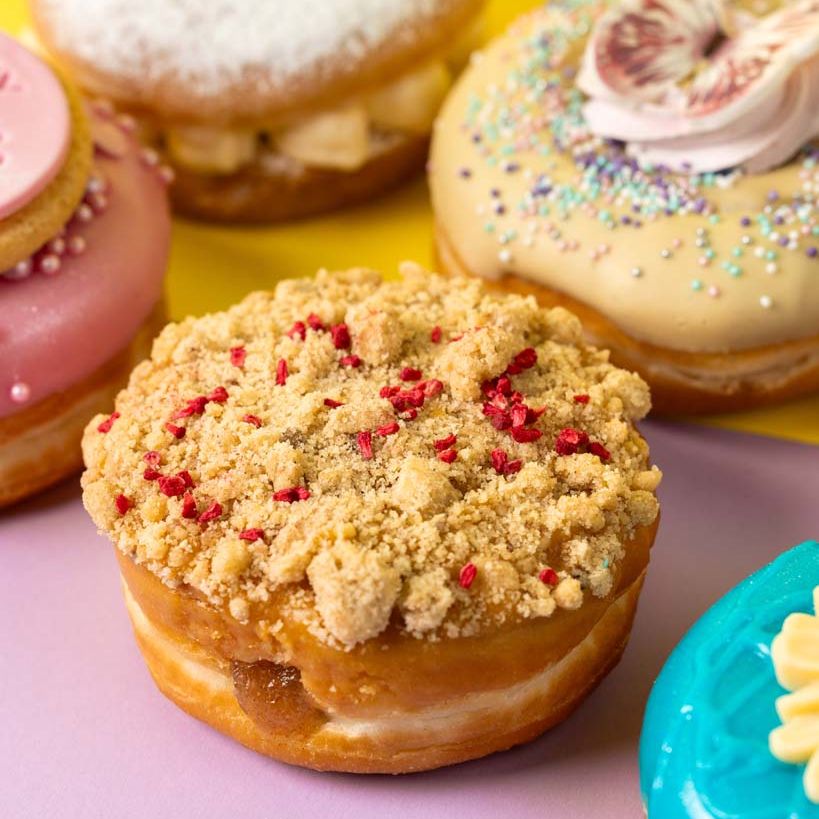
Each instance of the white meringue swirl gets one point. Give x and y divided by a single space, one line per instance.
700 86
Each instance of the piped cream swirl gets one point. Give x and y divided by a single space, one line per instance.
700 86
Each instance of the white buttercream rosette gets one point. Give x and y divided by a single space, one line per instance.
698 85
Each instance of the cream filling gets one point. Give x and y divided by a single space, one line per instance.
339 138
458 718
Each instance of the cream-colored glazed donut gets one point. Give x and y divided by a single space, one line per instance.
708 283
272 110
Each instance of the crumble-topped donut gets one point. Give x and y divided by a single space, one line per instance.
84 234
650 166
352 475
262 116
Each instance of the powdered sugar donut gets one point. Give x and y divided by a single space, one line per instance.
650 165
83 243
271 110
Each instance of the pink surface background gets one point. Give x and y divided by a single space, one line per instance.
85 733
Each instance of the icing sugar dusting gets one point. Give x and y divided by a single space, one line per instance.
212 43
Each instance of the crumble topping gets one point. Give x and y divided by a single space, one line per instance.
418 453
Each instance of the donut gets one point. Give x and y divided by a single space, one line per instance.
377 527
261 116
712 744
84 236
648 164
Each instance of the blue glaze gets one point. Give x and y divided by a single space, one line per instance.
704 749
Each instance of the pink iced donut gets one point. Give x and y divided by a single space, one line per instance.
78 313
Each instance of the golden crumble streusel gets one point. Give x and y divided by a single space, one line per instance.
417 452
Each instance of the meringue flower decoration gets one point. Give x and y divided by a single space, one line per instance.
700 85
795 653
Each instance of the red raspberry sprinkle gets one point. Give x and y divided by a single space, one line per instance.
186 477
581 399
122 503
388 429
188 506
409 415
525 435
410 374
467 575
432 387
105 426
408 399
526 359
350 361
332 403
252 419
211 513
251 535
237 356
193 406
291 494
218 396
435 335
388 392
548 576
298 329
341 336
152 457
445 443
365 444
314 322
502 464
569 441
172 485
177 432
504 385
447 456
499 460
533 414
598 449
281 372
519 414
151 474
499 418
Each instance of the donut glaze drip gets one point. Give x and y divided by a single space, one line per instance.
35 128
57 330
704 749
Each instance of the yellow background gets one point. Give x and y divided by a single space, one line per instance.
212 267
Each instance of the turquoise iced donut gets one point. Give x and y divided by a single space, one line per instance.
704 749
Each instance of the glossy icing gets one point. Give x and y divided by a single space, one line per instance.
704 749
57 329
35 126
708 264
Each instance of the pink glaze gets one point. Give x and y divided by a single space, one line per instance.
35 126
56 330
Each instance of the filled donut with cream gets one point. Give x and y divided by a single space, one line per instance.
377 526
649 165
84 235
270 111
